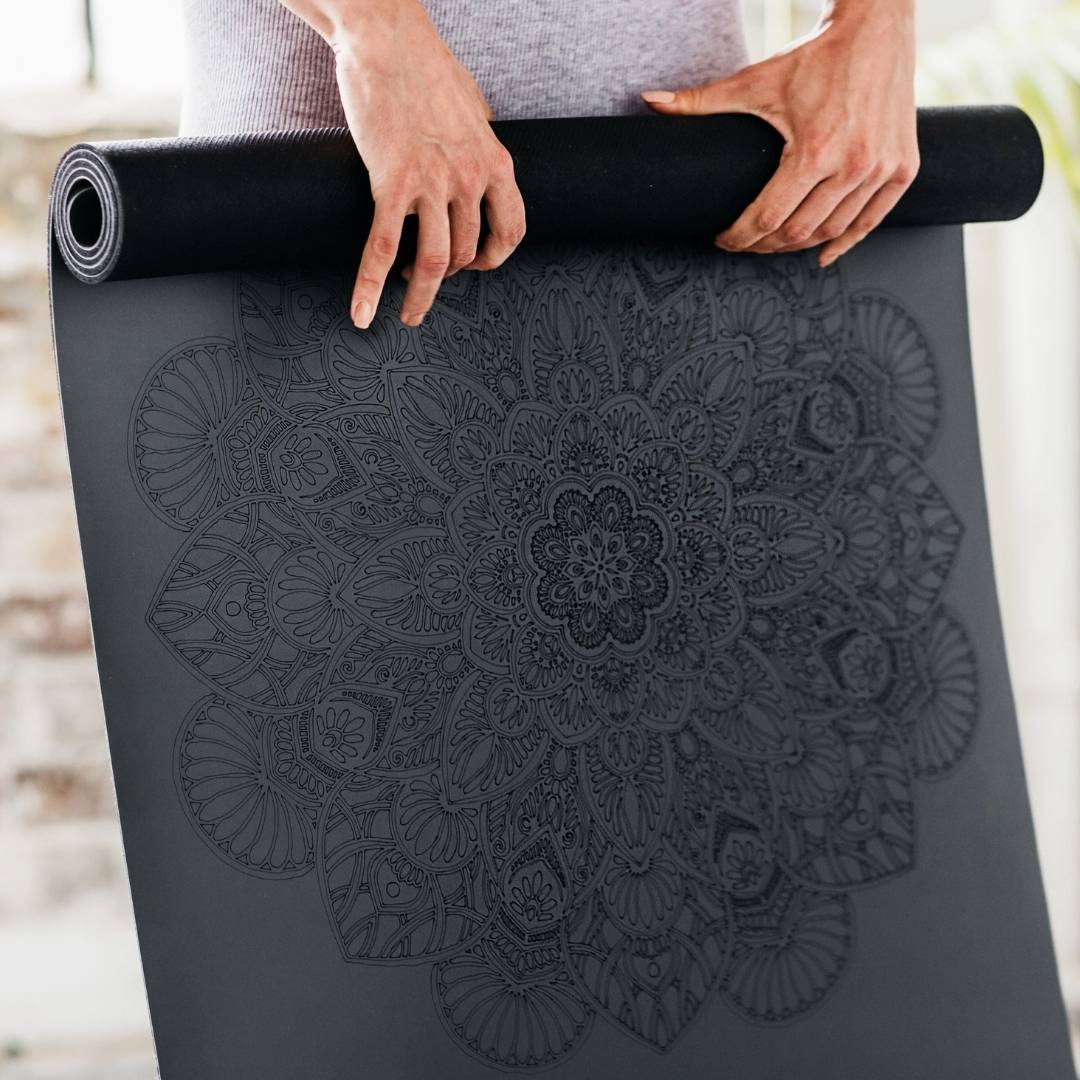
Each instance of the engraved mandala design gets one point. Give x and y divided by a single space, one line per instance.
586 645
595 565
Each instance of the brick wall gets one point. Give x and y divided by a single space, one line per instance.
71 989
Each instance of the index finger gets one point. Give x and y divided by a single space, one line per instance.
380 250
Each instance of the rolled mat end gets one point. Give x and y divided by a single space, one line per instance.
86 214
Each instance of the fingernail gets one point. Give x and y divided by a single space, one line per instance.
658 97
413 320
825 261
361 314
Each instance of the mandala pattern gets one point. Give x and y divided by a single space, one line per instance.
586 644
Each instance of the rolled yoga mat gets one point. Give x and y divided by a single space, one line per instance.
603 679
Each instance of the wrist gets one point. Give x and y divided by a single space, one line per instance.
351 26
856 14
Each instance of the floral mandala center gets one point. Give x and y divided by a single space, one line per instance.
599 562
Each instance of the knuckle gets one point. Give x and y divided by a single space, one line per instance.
864 226
511 234
907 170
494 255
859 159
857 167
383 244
768 221
693 97
831 230
794 232
503 160
879 172
368 284
471 191
432 262
462 257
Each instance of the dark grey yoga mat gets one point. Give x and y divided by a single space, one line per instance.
605 678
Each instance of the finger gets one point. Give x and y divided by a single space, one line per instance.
798 231
840 220
740 92
778 200
506 222
464 233
429 266
843 217
868 219
380 250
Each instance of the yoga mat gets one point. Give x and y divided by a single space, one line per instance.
604 679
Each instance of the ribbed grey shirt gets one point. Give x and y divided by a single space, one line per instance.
254 66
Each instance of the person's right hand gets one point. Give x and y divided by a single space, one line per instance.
422 127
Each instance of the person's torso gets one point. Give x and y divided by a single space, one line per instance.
253 65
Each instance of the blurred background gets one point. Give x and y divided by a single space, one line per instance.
71 996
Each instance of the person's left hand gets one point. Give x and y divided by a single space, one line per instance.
843 99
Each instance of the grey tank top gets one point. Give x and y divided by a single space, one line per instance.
254 66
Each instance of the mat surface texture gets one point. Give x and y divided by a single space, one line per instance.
604 679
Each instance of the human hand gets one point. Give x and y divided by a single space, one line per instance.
843 99
422 127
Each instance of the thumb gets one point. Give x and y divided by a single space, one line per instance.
731 94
